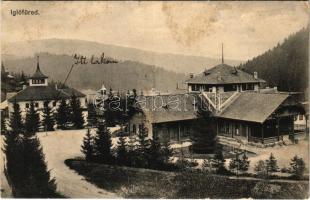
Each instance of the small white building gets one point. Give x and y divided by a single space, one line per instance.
40 91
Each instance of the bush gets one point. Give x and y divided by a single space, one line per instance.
297 167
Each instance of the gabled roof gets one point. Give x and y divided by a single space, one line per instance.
253 106
42 93
223 74
38 74
167 108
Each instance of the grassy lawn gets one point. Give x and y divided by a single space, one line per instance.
144 183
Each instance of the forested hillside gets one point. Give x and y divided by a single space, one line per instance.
124 75
286 65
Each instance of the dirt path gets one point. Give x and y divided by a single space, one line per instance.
59 146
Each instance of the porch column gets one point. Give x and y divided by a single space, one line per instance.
262 131
278 127
217 127
179 131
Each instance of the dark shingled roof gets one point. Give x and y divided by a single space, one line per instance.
253 106
41 93
167 108
223 74
38 74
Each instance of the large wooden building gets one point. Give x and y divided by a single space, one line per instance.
240 109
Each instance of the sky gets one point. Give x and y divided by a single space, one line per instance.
247 29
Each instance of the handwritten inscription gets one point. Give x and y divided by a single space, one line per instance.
83 60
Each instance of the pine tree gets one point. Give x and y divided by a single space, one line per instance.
88 146
298 167
244 163
3 125
234 163
204 135
166 151
16 123
92 115
121 151
143 146
156 156
13 149
48 119
77 113
261 169
38 183
132 152
32 121
218 161
103 145
271 164
62 115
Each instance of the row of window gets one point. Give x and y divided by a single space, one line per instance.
36 104
227 88
38 81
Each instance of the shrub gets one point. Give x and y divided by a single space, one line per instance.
297 167
261 169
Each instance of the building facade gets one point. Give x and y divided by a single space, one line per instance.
39 92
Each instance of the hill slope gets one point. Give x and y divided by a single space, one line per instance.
120 76
173 62
286 65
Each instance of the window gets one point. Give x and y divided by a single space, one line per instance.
301 117
54 103
195 87
27 105
134 129
36 105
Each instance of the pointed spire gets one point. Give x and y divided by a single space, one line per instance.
38 65
222 53
2 67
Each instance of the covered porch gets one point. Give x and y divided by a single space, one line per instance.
175 131
270 131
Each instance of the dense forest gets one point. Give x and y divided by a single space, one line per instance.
286 65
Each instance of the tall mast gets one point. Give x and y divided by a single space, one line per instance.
222 54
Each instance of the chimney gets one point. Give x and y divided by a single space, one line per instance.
191 75
255 75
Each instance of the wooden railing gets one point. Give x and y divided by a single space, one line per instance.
267 140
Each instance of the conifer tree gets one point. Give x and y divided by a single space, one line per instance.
62 115
132 152
166 151
103 144
271 164
235 163
77 114
88 146
13 150
143 146
218 161
92 115
244 163
156 156
32 121
204 135
261 169
298 167
16 123
38 182
3 125
121 150
48 119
